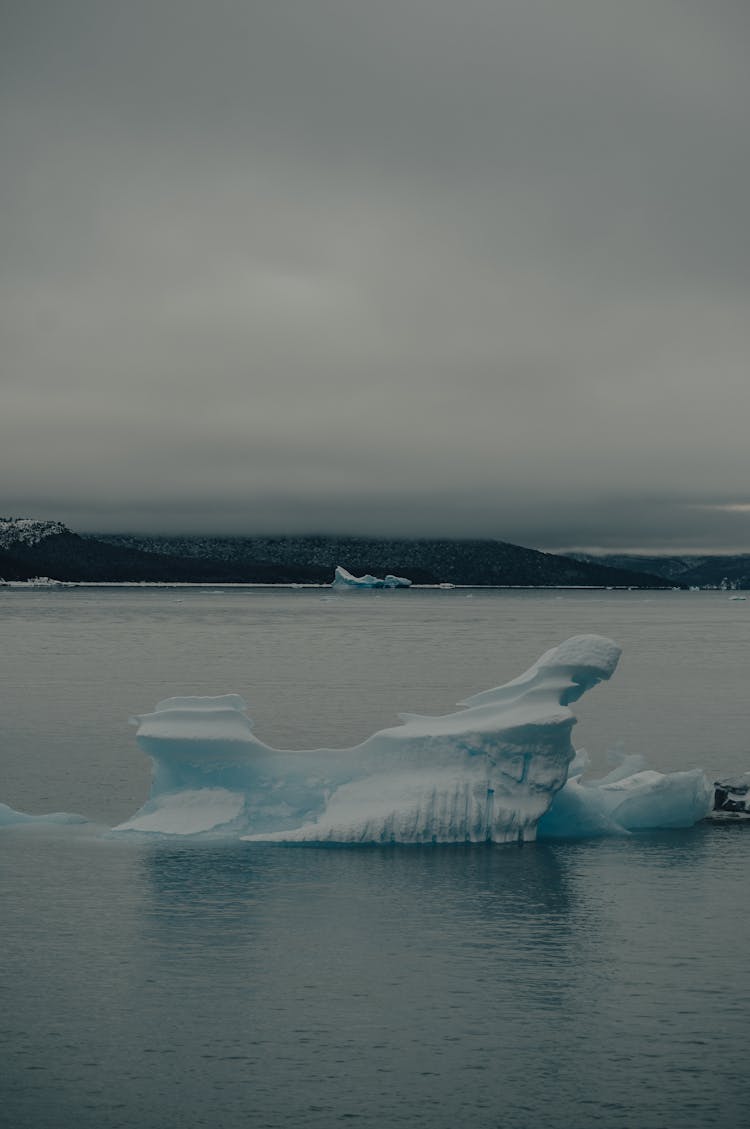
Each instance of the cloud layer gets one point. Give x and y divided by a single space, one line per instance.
406 267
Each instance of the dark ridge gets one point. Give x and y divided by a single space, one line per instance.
466 562
66 556
13 569
31 548
727 571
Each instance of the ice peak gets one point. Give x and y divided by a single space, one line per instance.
565 672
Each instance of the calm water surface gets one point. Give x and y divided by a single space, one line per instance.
566 985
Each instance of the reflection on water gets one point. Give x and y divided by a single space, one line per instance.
225 894
568 984
369 973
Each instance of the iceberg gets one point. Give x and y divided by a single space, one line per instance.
500 769
486 773
342 578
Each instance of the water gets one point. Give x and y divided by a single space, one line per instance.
565 985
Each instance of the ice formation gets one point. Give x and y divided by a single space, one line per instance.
39 582
630 798
500 769
487 772
343 579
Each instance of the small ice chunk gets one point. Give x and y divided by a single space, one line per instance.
9 817
637 801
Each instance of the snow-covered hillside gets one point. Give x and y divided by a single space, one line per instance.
27 531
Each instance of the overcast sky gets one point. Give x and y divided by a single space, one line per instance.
409 267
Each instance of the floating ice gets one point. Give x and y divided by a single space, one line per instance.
630 798
40 582
485 773
501 769
343 579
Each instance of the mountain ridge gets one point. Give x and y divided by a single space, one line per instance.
727 571
480 562
30 548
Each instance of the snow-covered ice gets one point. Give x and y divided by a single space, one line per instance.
343 579
487 772
499 769
490 772
630 798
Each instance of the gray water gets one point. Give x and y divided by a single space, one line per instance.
565 985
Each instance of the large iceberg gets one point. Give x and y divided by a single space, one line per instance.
486 773
500 769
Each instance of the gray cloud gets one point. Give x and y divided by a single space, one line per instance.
409 267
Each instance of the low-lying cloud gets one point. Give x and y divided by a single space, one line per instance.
397 268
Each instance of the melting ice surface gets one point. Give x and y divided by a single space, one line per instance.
501 769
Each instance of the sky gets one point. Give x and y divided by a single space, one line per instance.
402 267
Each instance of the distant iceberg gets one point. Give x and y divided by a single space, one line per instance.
343 579
41 582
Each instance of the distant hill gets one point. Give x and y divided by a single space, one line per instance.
424 561
37 548
30 548
730 572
